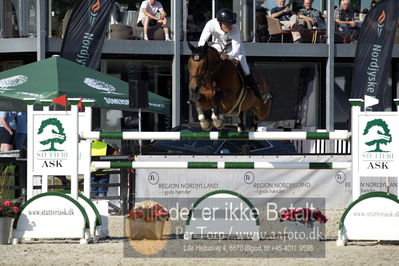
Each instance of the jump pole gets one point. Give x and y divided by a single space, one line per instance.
215 135
221 165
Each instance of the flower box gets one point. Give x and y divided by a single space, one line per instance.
140 229
146 220
7 212
5 228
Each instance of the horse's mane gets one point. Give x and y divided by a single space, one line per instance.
201 52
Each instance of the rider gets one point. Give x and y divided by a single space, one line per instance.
227 38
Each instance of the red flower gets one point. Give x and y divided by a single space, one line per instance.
15 209
154 213
7 203
304 215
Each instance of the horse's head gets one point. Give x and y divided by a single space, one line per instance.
197 67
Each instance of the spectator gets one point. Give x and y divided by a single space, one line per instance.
261 21
345 18
151 13
99 148
7 130
314 16
227 39
21 130
287 18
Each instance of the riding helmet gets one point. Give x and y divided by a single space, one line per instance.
226 16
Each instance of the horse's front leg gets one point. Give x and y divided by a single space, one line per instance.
204 121
217 117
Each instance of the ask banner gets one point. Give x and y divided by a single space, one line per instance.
85 32
374 52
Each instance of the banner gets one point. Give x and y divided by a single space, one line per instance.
333 185
85 32
374 52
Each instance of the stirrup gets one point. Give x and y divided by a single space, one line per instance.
265 97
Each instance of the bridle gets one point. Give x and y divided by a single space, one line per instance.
206 72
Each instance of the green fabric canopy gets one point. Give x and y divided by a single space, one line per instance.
55 76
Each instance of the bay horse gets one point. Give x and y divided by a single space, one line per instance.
217 85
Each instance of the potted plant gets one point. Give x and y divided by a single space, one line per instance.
304 221
303 215
7 212
147 220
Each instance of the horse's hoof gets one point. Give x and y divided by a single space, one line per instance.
219 124
239 129
205 125
201 117
215 117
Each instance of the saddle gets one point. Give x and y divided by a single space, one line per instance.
243 92
237 64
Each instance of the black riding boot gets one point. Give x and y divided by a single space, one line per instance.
251 81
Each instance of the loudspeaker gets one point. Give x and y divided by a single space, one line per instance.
138 94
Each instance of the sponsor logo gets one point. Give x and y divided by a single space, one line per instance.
373 69
157 105
84 53
381 19
378 132
36 95
375 134
340 177
52 132
249 177
153 178
13 81
94 11
116 101
102 86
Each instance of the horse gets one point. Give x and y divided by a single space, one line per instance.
217 85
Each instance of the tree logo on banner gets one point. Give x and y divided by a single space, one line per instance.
52 132
378 133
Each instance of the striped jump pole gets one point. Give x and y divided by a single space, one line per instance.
220 165
215 135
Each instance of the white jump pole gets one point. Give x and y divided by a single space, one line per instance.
215 135
85 119
29 156
220 165
74 172
356 106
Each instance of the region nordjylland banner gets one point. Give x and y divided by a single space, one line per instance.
374 52
85 32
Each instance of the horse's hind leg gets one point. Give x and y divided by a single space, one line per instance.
254 122
204 122
217 117
241 122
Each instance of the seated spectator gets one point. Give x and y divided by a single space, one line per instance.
345 19
151 13
261 22
7 130
313 16
287 18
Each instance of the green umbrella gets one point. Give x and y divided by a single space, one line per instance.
55 76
